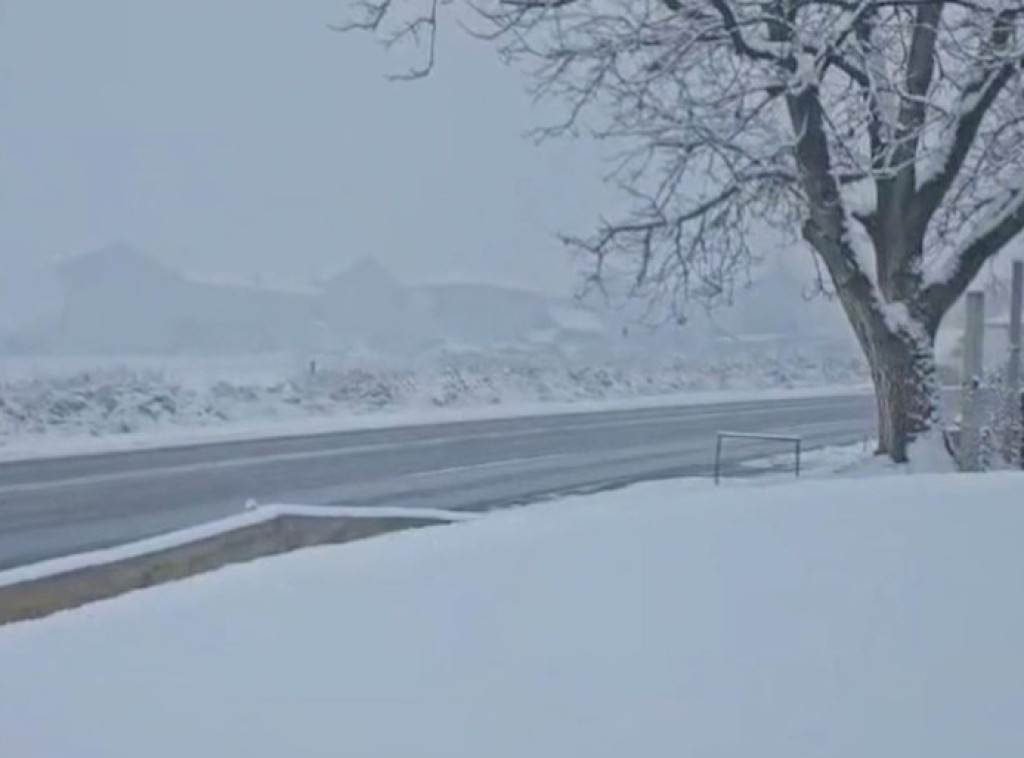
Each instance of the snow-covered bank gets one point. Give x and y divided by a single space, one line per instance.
839 618
84 410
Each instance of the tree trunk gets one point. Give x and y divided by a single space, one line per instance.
894 323
904 375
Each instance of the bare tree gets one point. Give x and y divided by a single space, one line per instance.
887 134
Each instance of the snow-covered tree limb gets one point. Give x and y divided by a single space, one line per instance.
993 233
976 99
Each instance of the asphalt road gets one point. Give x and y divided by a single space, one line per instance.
54 507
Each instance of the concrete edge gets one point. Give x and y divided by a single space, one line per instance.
44 596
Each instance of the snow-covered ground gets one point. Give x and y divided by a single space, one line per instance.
66 406
829 618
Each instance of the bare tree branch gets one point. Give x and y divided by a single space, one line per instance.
418 31
976 99
994 232
920 67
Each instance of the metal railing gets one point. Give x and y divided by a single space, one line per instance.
797 443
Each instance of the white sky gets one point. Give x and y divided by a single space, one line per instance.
241 137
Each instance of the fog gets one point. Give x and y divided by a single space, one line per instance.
243 139
244 143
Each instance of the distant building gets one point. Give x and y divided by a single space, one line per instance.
119 300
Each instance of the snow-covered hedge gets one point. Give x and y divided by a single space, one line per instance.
123 400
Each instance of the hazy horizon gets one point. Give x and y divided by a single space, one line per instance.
237 140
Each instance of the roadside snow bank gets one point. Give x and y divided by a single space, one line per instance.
840 618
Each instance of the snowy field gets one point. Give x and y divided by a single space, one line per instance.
47 403
858 617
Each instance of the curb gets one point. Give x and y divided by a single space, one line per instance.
284 533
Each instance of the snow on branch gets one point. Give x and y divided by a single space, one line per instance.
975 100
954 274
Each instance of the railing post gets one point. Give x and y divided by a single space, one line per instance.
1013 370
970 434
